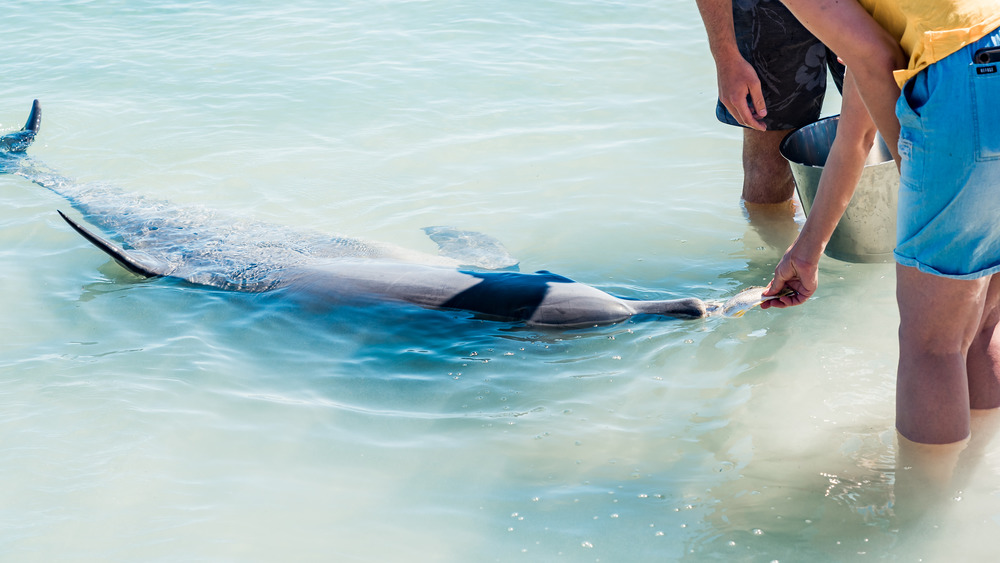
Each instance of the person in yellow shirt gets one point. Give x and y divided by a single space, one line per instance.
926 72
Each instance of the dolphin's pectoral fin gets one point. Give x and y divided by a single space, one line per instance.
19 141
471 248
137 263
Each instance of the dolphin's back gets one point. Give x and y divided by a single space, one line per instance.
203 246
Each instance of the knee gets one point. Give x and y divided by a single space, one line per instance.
930 341
767 180
767 177
985 335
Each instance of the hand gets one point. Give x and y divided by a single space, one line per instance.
799 275
740 92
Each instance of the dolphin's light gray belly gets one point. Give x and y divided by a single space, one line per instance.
541 298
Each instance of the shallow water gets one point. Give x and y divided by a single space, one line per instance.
146 420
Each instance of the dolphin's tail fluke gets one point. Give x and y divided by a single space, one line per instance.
19 141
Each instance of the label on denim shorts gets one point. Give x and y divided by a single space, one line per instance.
986 111
905 148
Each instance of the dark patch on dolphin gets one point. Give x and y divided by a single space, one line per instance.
159 239
506 294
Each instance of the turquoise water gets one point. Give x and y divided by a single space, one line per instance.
145 420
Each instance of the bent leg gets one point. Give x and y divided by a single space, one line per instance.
939 318
767 177
983 363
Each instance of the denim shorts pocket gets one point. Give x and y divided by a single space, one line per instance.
916 94
985 85
911 134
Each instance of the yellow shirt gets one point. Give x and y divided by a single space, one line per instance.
930 30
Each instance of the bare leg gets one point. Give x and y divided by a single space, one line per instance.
925 481
767 178
774 223
927 476
939 318
984 355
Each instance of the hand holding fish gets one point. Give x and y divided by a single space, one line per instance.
794 273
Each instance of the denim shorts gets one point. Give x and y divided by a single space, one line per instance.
790 62
948 223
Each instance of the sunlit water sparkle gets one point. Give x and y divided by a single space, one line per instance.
147 420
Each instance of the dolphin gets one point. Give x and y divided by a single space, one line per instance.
473 272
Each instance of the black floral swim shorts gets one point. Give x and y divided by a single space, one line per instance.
790 62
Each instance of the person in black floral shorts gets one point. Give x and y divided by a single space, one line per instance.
772 79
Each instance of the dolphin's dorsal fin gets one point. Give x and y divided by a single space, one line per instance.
136 263
471 248
34 118
19 141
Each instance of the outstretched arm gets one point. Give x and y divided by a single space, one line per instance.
737 79
866 48
799 268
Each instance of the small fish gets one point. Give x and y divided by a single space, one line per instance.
739 304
